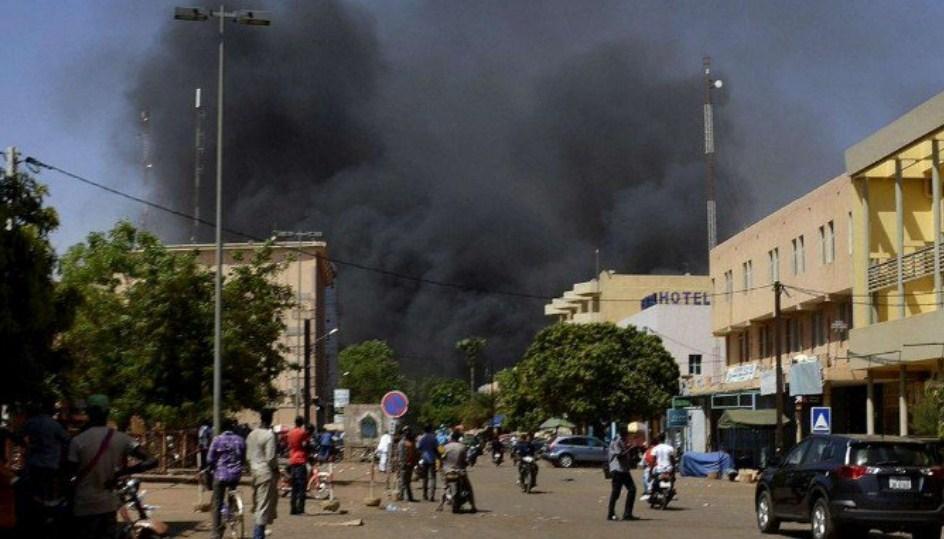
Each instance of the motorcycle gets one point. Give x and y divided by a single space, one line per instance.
473 455
527 471
498 457
135 520
662 490
456 492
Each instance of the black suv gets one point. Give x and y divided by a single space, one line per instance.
845 485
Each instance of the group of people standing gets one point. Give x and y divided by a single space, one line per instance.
68 483
406 454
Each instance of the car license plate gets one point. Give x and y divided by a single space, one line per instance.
899 483
666 484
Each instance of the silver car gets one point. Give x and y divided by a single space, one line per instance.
569 450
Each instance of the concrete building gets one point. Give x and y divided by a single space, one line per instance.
898 336
305 265
612 296
807 246
685 331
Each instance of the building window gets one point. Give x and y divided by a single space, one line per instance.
830 242
744 346
827 243
849 233
773 261
728 284
801 255
819 329
748 269
694 364
795 258
766 342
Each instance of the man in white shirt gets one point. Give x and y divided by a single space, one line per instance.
383 451
263 463
664 455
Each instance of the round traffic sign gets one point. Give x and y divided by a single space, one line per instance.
395 404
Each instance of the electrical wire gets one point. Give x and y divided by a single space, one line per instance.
35 165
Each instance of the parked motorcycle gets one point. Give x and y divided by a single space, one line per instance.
135 520
527 471
662 490
456 492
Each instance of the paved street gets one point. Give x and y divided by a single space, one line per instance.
567 503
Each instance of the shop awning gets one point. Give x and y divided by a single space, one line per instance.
746 419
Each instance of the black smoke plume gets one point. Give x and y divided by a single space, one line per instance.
492 144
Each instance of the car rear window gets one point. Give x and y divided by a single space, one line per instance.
574 441
891 454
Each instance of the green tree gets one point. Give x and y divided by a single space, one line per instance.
369 369
32 309
144 331
590 372
440 401
471 349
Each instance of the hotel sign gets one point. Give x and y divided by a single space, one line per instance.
684 297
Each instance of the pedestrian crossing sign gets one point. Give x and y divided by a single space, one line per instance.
821 420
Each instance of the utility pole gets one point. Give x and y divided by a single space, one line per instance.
710 154
778 289
307 373
199 150
11 158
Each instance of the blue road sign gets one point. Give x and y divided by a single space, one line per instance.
821 420
395 404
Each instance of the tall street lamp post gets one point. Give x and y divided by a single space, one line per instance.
251 18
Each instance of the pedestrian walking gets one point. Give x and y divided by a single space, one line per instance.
264 465
204 439
298 464
408 459
429 458
96 459
618 455
225 460
383 451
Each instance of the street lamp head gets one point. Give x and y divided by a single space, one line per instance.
253 17
190 14
718 84
333 331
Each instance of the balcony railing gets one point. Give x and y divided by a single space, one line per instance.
913 266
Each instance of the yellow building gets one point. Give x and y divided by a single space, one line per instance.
898 338
309 275
611 297
807 246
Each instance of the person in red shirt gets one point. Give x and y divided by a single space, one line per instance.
298 464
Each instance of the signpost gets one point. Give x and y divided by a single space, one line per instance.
821 420
342 397
676 419
395 404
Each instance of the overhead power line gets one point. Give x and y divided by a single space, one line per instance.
35 165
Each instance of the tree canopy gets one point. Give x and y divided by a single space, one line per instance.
32 309
369 369
590 373
143 333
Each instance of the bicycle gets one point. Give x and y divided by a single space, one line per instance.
231 515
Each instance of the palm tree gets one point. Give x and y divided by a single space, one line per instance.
471 347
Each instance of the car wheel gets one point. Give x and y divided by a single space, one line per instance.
766 520
928 532
566 461
822 524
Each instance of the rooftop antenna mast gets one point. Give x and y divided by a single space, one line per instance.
146 164
710 84
199 150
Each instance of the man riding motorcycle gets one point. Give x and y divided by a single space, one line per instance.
525 448
454 464
661 461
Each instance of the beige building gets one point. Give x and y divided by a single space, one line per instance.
898 335
309 275
808 247
612 296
